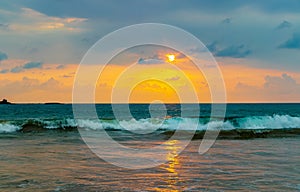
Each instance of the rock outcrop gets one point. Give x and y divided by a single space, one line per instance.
4 101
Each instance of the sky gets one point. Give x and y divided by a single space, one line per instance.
255 43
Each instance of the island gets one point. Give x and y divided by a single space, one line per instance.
4 101
53 103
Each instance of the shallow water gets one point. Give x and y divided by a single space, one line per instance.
61 161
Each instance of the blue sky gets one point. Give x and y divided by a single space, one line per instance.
267 31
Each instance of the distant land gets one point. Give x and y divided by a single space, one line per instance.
53 103
4 101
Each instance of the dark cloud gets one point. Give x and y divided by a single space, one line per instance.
283 25
201 18
60 67
234 51
136 10
3 56
292 43
150 61
110 11
227 21
4 27
4 71
29 65
212 47
32 65
17 69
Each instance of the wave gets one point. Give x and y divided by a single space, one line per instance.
255 126
9 128
274 122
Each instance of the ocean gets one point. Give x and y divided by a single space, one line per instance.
257 149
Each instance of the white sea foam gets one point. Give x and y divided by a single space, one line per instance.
259 122
273 122
175 123
89 124
256 122
8 128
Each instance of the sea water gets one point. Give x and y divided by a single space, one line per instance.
257 149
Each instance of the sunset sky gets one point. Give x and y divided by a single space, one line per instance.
256 44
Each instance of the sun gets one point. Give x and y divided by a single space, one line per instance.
170 57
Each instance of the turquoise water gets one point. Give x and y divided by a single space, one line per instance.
257 149
238 117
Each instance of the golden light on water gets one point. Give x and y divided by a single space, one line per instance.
173 163
172 156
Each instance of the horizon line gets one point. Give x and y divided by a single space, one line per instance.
248 102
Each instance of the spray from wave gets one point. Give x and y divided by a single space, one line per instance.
255 126
8 128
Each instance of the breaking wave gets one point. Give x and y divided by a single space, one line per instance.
8 128
255 126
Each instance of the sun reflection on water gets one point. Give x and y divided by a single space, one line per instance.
172 166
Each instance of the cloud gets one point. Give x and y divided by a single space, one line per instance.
292 43
29 65
281 85
4 71
234 51
283 25
32 65
19 87
29 20
275 88
28 84
17 69
150 61
154 86
242 16
60 67
34 90
212 47
3 56
176 78
4 27
100 9
49 84
66 76
226 21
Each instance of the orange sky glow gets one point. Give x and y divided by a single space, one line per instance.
162 82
